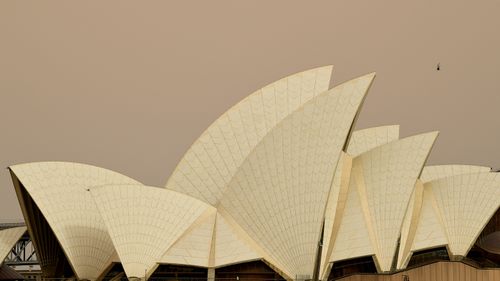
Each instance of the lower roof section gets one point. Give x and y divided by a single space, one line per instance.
144 222
231 244
366 139
381 183
434 172
466 203
212 241
59 190
8 238
151 226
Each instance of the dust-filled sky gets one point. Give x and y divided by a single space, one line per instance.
129 85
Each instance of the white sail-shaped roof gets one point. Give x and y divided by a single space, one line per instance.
264 182
212 161
382 181
430 229
212 241
9 238
59 191
427 229
409 227
279 194
455 207
427 225
363 140
385 178
335 208
353 238
360 142
466 203
144 222
430 173
230 245
194 246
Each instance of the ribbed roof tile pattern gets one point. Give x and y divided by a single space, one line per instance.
335 207
360 142
430 173
353 238
9 238
209 165
387 175
428 225
194 247
367 139
430 231
279 193
466 203
409 226
60 192
144 222
261 183
230 246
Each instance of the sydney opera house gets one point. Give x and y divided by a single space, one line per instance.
280 187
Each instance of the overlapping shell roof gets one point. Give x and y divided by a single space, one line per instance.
266 181
8 238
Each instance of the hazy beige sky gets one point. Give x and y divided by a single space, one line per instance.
129 86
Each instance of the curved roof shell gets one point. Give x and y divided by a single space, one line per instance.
143 222
212 161
456 203
266 181
60 192
465 204
363 140
279 194
382 181
9 238
430 173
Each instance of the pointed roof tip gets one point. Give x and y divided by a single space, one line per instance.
434 132
372 74
325 68
380 126
426 133
434 135
431 133
328 66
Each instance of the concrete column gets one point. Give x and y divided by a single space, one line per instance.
211 274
